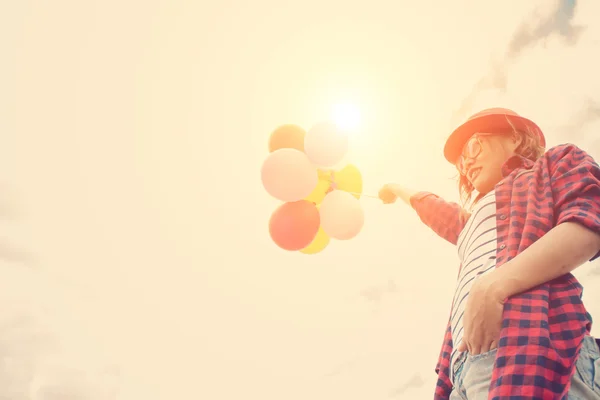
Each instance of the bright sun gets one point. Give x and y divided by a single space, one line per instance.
346 116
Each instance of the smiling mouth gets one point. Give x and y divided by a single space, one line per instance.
474 173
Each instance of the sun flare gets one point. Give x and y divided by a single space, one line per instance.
347 117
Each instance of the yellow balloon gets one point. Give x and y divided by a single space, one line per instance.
324 174
318 244
349 179
323 185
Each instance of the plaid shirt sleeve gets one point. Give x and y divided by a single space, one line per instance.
444 218
575 180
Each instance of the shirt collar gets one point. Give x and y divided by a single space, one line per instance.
516 162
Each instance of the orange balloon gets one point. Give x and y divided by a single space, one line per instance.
293 226
287 137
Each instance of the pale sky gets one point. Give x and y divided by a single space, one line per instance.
133 135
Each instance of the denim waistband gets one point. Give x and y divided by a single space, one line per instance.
591 345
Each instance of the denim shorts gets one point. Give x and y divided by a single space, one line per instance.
473 377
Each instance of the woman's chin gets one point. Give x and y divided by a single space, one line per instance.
480 186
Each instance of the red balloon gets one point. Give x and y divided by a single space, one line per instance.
287 137
293 226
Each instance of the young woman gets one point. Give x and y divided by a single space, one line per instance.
518 328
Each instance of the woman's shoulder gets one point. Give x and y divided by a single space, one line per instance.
564 150
563 156
567 162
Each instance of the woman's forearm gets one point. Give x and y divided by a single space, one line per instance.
403 193
560 251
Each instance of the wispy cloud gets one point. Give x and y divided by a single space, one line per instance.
14 254
559 23
534 30
342 367
34 366
588 114
415 382
374 294
44 351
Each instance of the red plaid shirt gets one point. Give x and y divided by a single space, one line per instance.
543 328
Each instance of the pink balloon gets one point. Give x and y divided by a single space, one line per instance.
325 144
342 216
288 175
293 226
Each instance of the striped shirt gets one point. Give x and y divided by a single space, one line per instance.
477 254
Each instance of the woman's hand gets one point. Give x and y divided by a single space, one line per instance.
390 192
482 320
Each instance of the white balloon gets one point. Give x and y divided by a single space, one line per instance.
325 144
342 216
288 175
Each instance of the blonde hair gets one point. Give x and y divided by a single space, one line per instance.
529 148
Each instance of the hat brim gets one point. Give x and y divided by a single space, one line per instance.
494 123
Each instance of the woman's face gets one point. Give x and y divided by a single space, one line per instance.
484 170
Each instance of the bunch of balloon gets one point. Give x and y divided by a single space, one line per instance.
320 202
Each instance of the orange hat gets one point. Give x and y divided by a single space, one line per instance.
491 120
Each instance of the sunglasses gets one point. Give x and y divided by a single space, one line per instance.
471 151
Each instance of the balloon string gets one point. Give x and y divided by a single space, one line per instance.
331 179
365 195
